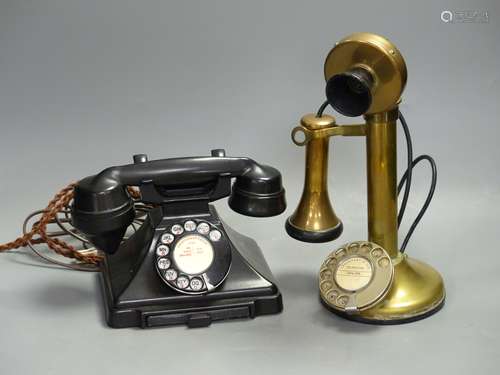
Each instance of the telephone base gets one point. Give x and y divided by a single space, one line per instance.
193 315
135 296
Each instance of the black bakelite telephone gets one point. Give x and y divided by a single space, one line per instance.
183 265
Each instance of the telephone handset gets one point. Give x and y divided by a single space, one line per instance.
183 248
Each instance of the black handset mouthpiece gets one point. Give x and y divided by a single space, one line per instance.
349 93
102 209
258 192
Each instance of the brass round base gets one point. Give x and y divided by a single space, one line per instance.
416 293
360 319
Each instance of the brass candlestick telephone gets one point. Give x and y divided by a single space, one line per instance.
370 281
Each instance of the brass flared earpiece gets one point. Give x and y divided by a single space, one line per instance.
314 220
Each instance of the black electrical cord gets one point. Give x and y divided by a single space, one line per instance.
322 109
406 180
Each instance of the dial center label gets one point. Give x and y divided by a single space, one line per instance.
193 254
354 273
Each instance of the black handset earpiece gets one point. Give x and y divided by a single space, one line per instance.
258 192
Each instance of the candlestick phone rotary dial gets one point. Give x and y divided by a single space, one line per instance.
183 265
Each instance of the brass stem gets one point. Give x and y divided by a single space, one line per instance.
381 177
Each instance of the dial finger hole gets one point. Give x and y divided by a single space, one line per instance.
342 300
189 225
384 262
332 295
182 282
170 274
341 253
196 284
326 274
177 229
163 263
162 250
167 238
203 228
326 285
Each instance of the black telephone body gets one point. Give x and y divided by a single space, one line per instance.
184 265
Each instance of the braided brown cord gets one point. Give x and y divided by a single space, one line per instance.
60 202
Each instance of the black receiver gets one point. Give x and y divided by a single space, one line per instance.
103 208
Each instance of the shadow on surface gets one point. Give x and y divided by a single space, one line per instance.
297 284
305 285
335 322
56 296
61 298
